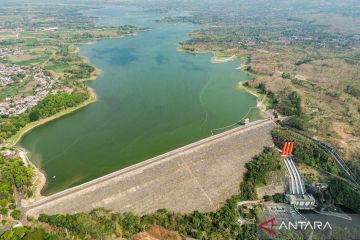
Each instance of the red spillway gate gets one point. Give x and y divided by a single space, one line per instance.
287 148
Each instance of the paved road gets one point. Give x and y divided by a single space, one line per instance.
4 229
334 214
209 169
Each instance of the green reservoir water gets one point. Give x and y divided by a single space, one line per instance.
151 99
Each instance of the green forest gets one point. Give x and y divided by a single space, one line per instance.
14 177
55 103
48 106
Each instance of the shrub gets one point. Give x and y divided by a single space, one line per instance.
16 214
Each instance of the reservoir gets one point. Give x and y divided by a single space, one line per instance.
151 99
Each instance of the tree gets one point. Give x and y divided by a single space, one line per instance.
16 214
267 198
14 234
279 198
291 105
16 173
286 75
4 211
344 194
34 115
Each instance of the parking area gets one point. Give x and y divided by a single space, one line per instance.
281 212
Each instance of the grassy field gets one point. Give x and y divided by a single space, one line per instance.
29 62
9 91
322 84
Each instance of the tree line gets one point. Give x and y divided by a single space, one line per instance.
50 105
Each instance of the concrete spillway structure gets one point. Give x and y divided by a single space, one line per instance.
296 183
297 194
298 177
291 178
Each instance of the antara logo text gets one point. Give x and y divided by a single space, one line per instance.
303 225
268 225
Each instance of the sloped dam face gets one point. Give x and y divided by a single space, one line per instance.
151 99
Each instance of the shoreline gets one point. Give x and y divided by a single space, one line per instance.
220 59
38 182
39 179
97 72
11 142
215 55
40 176
215 59
259 101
